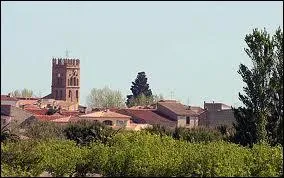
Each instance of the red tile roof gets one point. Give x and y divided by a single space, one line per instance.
48 117
8 98
148 116
177 108
36 111
27 102
105 114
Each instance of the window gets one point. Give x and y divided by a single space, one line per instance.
119 123
71 82
107 122
68 81
61 96
57 81
187 120
74 81
56 94
70 93
77 82
77 94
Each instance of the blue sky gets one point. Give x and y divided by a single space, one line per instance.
190 48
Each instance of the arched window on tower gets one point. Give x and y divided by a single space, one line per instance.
77 82
70 93
71 82
77 95
74 81
68 81
56 94
61 96
57 81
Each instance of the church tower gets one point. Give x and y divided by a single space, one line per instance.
66 79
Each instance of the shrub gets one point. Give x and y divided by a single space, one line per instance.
197 134
85 132
44 130
21 158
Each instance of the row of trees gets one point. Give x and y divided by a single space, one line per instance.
107 98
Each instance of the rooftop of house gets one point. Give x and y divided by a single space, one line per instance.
105 114
149 116
8 98
177 108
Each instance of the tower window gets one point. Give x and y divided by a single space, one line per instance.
61 96
58 81
70 93
74 81
68 81
71 82
77 82
77 94
56 94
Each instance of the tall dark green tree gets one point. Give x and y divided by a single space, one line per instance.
139 89
260 101
275 118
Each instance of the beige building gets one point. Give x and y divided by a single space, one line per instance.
108 118
183 115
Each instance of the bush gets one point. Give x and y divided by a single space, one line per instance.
85 132
140 154
197 135
44 130
21 159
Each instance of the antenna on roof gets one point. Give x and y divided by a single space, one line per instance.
67 53
172 95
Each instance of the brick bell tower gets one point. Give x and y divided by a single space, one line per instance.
66 79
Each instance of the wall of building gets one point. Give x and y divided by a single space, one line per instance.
223 117
7 102
115 121
193 122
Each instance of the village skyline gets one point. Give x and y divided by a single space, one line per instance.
184 48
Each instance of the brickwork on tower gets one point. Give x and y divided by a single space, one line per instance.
66 79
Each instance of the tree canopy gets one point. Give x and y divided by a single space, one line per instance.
261 117
105 98
141 93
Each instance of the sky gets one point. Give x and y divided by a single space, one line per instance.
190 51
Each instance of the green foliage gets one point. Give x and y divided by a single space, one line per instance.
25 93
85 132
21 158
141 94
44 130
260 119
140 154
105 98
7 135
197 134
158 130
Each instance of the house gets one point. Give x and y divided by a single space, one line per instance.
147 116
108 118
17 115
219 114
184 116
9 100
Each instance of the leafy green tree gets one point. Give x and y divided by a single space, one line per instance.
25 93
252 119
275 119
85 132
105 98
141 94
